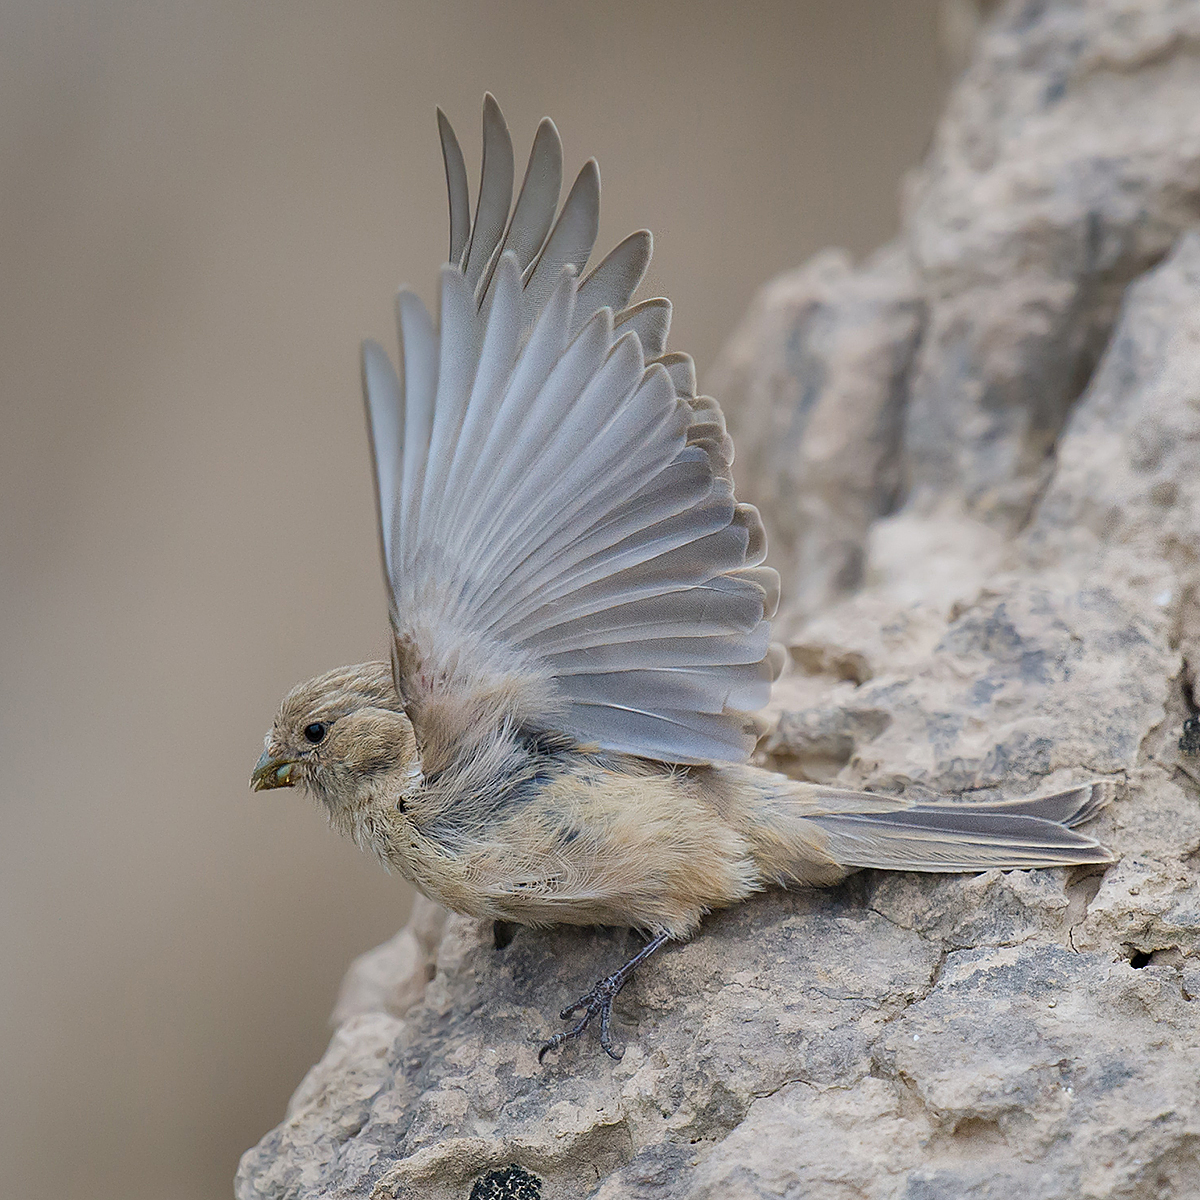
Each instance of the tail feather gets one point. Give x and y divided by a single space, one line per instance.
1071 807
956 836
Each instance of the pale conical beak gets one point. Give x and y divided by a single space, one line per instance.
272 773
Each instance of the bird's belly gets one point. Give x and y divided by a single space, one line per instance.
604 850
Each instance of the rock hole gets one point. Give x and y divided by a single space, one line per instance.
816 759
849 666
980 1130
1139 959
503 933
815 744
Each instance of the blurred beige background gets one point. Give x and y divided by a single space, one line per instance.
203 207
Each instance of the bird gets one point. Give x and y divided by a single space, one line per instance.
580 616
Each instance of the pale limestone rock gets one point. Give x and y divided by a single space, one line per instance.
1023 1034
813 382
1066 164
393 977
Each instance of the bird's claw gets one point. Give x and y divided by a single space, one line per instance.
598 1001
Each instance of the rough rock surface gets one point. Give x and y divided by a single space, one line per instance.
1021 608
1066 164
816 378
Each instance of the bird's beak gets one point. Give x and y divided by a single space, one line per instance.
272 773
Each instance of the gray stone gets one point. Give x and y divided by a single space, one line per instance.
1067 163
814 384
1016 621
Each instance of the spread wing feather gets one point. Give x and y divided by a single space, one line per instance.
571 240
651 321
495 192
555 502
534 210
615 280
456 186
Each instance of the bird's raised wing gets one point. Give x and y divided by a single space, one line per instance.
560 534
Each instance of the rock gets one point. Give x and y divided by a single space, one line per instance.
393 977
1067 163
814 383
1016 621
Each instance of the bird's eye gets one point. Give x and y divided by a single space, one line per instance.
316 731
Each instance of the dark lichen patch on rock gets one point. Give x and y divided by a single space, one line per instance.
507 1183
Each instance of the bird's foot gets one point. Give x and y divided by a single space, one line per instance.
599 1002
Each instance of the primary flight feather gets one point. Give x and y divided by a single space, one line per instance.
580 613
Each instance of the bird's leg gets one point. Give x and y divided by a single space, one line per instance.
600 1000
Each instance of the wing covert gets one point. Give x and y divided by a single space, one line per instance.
560 533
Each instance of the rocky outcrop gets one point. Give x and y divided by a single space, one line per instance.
815 384
984 447
1066 164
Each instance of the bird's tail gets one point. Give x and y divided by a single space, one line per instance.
808 833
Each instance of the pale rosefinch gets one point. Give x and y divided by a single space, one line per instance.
580 615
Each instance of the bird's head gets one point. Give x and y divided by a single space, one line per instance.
345 738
